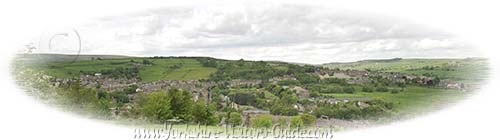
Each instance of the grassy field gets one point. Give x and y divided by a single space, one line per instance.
413 101
71 70
463 70
161 69
164 69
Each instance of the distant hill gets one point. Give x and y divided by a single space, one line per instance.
367 60
465 70
457 69
36 58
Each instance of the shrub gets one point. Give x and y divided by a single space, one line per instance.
296 122
394 91
348 89
283 123
287 110
307 79
382 89
309 120
367 89
314 94
262 121
146 62
234 119
349 110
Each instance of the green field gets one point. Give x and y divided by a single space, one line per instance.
463 70
413 100
161 69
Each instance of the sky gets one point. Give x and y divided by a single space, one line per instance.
278 32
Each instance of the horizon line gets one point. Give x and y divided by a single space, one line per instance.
340 62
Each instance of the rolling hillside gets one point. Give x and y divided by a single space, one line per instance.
463 70
63 66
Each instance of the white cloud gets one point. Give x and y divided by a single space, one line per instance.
266 32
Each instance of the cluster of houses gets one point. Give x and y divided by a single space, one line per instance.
275 80
197 87
201 88
364 77
105 82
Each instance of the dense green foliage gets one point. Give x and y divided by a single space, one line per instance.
307 79
262 121
351 110
156 107
85 99
382 89
247 70
204 114
308 120
296 121
175 104
234 119
281 109
244 98
181 104
367 88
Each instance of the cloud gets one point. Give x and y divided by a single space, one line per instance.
267 32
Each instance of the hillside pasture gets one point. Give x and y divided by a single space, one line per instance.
174 69
160 69
467 70
413 100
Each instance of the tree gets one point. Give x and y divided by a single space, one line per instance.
181 103
234 119
244 98
307 79
119 97
207 62
203 114
157 107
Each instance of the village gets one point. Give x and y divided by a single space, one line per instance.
242 93
203 90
